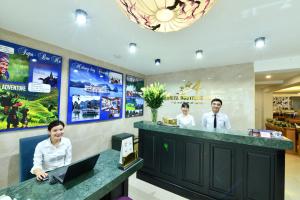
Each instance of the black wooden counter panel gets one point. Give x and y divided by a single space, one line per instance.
206 169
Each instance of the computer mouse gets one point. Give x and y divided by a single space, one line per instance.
159 123
46 178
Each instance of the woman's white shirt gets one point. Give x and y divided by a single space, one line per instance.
48 157
184 121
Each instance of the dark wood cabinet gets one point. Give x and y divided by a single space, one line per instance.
205 169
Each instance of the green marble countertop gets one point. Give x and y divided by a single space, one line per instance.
239 137
92 185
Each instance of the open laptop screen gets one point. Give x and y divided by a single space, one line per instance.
78 168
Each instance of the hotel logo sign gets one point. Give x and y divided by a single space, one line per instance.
189 92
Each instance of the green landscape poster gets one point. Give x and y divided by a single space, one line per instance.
134 103
29 87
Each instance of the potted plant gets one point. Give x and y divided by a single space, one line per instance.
154 96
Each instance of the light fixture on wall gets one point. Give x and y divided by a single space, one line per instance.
80 16
199 54
157 61
132 47
268 76
260 42
165 15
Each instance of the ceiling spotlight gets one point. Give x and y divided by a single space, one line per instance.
81 17
157 61
268 76
34 60
260 42
199 54
132 47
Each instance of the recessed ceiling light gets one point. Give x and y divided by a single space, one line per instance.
157 61
34 60
268 76
132 47
260 42
81 17
199 54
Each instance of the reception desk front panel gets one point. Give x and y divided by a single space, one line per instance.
199 168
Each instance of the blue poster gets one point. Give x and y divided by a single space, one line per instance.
95 93
134 102
29 87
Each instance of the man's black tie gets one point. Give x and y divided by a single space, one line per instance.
215 121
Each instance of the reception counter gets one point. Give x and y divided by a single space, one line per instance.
105 182
212 164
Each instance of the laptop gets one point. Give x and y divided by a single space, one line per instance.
76 169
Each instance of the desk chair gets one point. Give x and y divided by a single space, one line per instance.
27 147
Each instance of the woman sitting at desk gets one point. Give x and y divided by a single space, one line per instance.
184 119
54 152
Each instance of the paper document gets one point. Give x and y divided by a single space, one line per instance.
126 148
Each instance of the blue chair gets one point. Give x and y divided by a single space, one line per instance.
27 147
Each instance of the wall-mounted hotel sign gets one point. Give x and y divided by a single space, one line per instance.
188 92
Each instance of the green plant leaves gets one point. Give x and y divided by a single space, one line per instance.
154 95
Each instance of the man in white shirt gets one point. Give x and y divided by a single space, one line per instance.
215 119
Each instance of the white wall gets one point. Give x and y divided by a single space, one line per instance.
86 138
234 84
259 108
263 107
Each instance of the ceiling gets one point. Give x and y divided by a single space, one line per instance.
294 89
276 76
279 80
226 33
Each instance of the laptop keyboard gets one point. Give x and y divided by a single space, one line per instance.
61 176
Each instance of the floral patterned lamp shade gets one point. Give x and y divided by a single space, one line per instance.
165 15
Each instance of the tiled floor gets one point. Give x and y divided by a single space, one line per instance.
292 177
140 190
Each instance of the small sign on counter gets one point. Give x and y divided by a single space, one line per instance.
265 134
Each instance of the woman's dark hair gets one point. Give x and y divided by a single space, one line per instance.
216 99
185 105
55 123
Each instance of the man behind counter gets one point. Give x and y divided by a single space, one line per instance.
215 119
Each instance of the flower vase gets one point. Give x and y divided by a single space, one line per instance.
154 114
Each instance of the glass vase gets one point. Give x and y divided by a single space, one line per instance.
154 114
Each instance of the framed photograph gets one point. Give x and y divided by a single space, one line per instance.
134 102
29 87
95 93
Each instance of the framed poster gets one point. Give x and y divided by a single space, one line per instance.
29 87
134 102
95 93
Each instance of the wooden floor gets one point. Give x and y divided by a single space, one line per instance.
140 190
